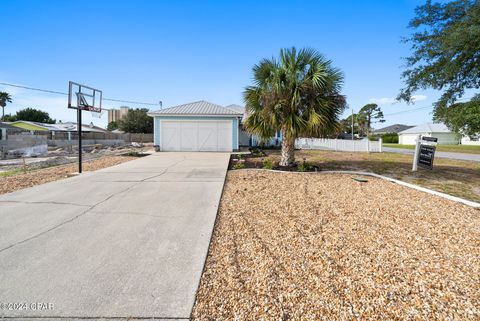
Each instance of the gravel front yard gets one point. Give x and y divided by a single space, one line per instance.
322 246
19 180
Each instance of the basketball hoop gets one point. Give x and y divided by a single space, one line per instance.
88 99
97 113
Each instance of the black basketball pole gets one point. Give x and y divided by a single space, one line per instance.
79 129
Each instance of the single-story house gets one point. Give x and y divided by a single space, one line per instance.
396 128
196 126
438 130
58 127
471 140
244 138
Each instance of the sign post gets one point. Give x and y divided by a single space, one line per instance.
424 152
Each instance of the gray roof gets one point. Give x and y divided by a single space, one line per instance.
238 108
201 107
393 129
427 128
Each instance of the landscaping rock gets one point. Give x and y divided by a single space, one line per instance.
290 246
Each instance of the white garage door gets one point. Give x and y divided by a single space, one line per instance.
196 136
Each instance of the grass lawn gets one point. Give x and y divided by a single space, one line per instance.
458 178
306 246
468 149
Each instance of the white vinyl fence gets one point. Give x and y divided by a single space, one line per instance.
346 145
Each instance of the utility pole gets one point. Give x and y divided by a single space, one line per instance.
352 123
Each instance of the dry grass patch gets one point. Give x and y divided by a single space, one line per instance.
311 246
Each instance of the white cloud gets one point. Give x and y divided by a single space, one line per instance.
393 100
383 101
416 98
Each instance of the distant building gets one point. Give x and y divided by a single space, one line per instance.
117 114
59 127
391 129
445 136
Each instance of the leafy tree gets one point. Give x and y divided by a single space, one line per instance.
358 125
4 99
462 118
446 50
112 125
9 117
136 121
369 114
298 94
32 114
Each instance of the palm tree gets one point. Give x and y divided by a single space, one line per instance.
4 99
299 94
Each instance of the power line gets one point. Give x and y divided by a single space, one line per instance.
420 108
65 94
407 111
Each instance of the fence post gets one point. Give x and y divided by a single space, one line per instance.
416 154
368 145
380 143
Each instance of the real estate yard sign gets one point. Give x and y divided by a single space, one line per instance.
424 152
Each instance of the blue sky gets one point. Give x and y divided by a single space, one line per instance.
181 51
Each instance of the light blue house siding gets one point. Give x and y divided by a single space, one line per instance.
157 129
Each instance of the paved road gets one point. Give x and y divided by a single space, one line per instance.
126 241
450 155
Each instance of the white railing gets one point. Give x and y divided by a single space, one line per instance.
346 145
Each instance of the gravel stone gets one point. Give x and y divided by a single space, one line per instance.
307 246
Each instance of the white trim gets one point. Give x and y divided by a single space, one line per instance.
195 115
396 181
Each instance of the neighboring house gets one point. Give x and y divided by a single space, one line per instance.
440 131
196 126
391 129
244 137
247 139
59 127
470 141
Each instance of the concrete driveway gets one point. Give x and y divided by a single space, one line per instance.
126 241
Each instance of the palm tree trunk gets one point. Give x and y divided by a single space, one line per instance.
288 152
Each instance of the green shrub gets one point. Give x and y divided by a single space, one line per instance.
257 152
390 138
302 167
239 165
267 163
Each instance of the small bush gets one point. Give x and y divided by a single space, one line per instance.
390 138
239 165
306 167
267 163
302 167
257 152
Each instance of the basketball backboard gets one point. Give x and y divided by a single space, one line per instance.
84 98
